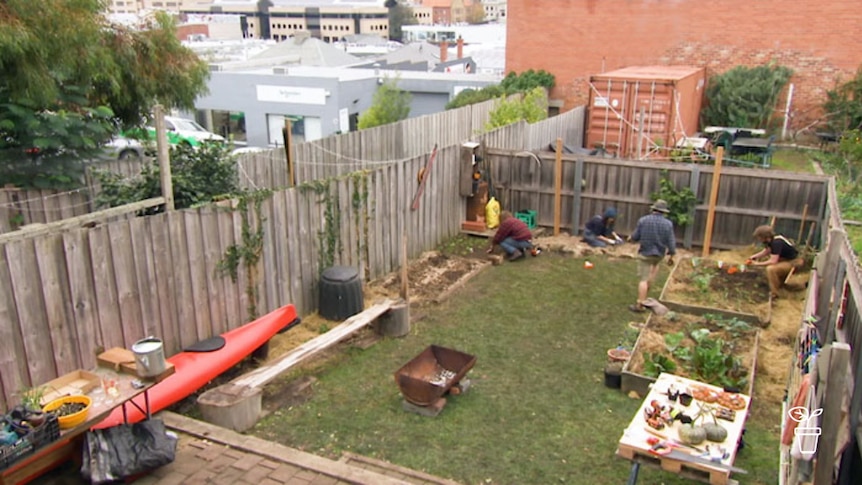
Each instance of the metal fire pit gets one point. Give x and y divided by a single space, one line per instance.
430 375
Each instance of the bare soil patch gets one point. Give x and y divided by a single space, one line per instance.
715 283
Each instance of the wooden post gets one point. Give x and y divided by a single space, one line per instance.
833 393
164 157
404 286
395 322
802 225
288 146
713 196
558 183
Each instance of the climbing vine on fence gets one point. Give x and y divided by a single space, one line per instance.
329 237
681 202
360 213
249 250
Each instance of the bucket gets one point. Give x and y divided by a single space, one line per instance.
613 380
149 357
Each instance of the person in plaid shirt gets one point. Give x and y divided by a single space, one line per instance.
513 236
655 233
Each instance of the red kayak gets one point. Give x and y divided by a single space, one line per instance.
194 369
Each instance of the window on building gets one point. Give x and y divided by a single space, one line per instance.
230 125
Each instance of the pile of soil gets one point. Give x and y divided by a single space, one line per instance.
429 278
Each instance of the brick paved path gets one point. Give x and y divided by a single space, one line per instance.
208 454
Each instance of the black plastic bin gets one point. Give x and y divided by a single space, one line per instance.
340 293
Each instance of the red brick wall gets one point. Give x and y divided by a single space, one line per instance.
574 39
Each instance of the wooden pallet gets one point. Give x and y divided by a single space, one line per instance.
694 471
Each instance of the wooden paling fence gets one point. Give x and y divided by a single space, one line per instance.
835 307
19 207
746 198
66 295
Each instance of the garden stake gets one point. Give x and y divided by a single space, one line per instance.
802 225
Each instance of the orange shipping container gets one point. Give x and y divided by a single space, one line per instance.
663 101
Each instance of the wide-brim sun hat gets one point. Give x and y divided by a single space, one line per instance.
660 206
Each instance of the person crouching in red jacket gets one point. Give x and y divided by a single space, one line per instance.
513 236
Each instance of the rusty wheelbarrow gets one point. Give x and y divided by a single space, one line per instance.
432 373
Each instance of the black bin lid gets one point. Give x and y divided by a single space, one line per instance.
340 273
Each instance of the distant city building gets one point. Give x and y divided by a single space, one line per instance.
135 6
328 20
423 15
446 12
495 10
472 34
255 86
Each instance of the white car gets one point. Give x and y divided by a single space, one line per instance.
181 130
122 148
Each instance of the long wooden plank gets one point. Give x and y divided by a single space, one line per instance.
281 267
242 271
212 250
85 316
269 285
81 220
232 288
13 365
306 304
58 313
186 326
125 275
107 300
26 283
145 277
198 272
259 377
163 281
293 245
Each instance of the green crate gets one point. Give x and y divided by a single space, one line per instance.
529 218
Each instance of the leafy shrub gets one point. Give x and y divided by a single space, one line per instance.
513 83
199 175
744 96
390 104
679 201
532 108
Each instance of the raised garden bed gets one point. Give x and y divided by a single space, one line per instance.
713 348
701 286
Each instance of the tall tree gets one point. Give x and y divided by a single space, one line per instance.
399 15
69 80
843 105
390 104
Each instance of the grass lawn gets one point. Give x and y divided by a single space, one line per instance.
793 160
538 411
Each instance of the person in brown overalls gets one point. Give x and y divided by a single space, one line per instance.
783 257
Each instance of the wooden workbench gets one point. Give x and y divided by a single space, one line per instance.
68 446
633 444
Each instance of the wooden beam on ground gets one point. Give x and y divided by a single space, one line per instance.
558 184
33 230
713 197
263 375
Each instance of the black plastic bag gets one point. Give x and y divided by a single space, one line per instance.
126 450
